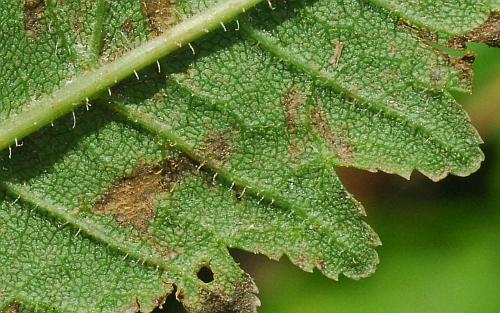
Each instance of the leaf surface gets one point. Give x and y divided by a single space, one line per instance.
232 147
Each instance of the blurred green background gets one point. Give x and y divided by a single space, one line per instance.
441 241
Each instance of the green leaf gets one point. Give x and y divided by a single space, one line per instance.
232 147
454 18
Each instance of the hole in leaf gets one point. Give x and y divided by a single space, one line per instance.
205 274
171 305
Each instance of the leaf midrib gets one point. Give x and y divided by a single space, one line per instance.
66 99
12 130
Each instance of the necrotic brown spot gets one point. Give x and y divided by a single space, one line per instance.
15 308
488 33
174 170
217 147
242 300
336 140
160 14
34 11
131 201
423 34
293 102
464 67
337 53
128 28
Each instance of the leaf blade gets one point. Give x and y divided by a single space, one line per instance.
271 136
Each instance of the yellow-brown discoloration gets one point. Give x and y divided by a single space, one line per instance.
15 308
131 201
128 28
336 140
421 33
337 53
293 102
160 14
218 146
136 307
174 170
464 67
243 299
488 33
34 12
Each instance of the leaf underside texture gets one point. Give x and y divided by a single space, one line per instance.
233 146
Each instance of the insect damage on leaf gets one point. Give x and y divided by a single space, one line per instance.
242 300
160 14
128 28
186 232
293 101
34 12
160 301
15 308
205 274
132 200
488 33
423 34
464 65
218 146
335 139
135 307
337 54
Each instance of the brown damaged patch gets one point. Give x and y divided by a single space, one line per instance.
160 14
420 33
488 33
15 308
131 201
337 54
243 299
34 12
136 307
174 170
128 28
336 140
464 66
160 301
293 102
218 146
